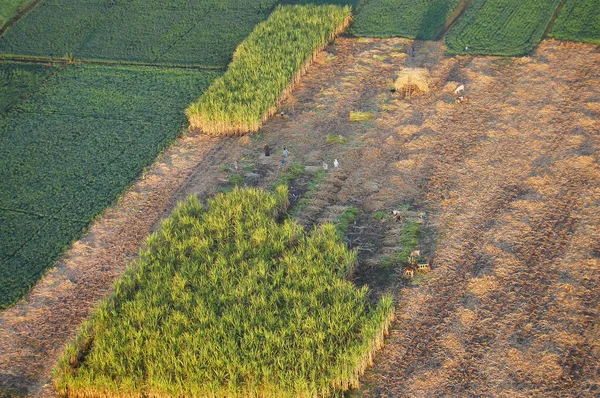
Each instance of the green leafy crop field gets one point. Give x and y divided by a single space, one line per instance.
177 32
228 302
8 8
501 27
17 81
579 20
70 146
420 19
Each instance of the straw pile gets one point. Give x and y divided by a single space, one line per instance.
411 81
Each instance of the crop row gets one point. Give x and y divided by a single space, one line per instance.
70 146
265 67
226 301
415 19
501 27
579 20
178 32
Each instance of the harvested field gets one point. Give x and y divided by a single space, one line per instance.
508 181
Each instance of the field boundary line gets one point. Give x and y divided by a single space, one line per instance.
553 19
459 10
20 14
114 63
41 215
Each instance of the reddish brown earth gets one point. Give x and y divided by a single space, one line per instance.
509 182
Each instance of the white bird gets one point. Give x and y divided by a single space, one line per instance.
336 164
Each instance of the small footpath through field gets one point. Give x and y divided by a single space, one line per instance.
508 182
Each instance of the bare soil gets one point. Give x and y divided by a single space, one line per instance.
508 181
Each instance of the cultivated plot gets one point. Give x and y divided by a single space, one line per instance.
501 27
414 19
226 301
71 147
579 20
180 32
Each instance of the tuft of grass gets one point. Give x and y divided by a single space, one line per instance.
336 139
293 171
409 240
360 116
379 215
265 68
226 301
235 179
345 219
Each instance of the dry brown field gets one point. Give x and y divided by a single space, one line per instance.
509 182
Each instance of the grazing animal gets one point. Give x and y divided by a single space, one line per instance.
423 267
459 89
409 273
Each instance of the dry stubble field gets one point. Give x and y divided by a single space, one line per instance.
509 182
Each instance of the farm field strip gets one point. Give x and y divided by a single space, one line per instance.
69 148
180 33
501 27
415 19
261 307
265 68
579 20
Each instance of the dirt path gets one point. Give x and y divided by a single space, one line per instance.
508 182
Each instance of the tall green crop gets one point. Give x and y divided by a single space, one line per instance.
264 68
226 301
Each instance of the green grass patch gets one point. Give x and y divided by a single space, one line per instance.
293 171
236 179
177 32
379 215
579 20
416 19
9 8
360 116
409 240
344 220
70 147
311 191
335 139
226 301
265 66
501 27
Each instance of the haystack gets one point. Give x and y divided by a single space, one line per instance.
411 81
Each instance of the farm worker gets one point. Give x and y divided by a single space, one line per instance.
267 150
282 161
336 164
412 51
285 152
